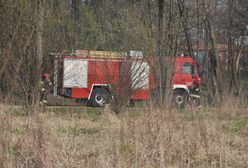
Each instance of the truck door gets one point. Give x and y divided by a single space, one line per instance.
185 74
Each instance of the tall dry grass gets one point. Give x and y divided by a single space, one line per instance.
137 137
173 139
22 140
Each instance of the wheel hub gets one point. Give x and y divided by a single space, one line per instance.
99 99
179 99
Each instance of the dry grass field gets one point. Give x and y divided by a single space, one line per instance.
138 137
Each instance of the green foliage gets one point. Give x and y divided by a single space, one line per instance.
63 32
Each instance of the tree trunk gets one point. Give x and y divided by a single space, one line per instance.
159 51
214 61
185 25
39 45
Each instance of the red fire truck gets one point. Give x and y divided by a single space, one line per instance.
96 76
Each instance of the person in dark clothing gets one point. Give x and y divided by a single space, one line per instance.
195 95
45 88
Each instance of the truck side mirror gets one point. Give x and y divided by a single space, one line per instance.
193 71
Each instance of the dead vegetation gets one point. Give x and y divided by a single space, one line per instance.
138 137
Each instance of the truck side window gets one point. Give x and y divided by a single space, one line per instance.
186 68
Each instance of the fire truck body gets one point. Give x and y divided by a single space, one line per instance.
83 75
94 78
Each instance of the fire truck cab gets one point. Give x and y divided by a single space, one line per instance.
185 80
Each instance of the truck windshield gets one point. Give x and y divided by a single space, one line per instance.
188 68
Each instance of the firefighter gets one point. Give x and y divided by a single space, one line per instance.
195 94
45 88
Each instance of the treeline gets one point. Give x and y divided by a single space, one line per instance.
31 29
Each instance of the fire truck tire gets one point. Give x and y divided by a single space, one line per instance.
99 97
179 98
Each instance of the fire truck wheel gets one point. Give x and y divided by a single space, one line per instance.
179 98
100 97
